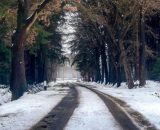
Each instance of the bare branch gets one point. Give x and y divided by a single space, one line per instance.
30 21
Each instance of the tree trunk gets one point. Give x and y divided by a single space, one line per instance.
51 71
142 77
118 76
137 56
127 68
98 74
18 78
18 83
103 69
112 67
104 64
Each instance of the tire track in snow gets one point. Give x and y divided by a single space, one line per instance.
59 116
91 114
128 118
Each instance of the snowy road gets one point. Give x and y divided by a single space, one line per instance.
70 106
91 114
58 117
81 109
87 109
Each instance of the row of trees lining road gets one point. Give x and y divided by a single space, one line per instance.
29 42
117 40
25 21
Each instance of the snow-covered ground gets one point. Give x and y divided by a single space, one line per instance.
91 114
146 100
22 114
5 95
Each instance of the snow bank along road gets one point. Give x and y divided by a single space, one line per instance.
87 109
25 112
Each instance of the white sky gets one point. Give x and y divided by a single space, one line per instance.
67 30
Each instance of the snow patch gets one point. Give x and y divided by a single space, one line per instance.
5 96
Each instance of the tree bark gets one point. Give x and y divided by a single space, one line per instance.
51 71
98 74
142 75
127 68
118 75
137 54
112 67
18 83
103 69
104 64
